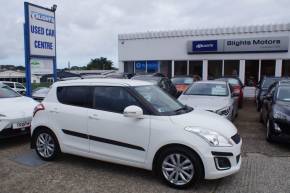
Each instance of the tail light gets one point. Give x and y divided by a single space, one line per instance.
39 107
237 89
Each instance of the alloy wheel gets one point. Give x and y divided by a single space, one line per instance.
178 169
45 145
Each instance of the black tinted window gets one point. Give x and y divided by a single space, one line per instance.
75 95
113 99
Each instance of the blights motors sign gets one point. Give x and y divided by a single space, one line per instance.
41 31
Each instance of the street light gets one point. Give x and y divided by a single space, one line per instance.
53 8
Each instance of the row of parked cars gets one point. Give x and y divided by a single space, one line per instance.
133 122
273 103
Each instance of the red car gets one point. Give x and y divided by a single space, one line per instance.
237 87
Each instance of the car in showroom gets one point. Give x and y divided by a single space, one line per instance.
237 87
159 80
135 123
213 96
15 112
16 86
275 111
262 88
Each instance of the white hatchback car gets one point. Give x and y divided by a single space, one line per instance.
137 124
15 112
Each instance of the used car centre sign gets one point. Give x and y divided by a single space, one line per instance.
240 45
41 31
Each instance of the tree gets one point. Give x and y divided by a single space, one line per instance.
100 64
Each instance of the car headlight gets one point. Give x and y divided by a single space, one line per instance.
279 115
211 137
224 111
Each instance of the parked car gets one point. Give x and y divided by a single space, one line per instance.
275 112
237 87
18 87
182 82
262 88
40 93
162 82
213 96
119 75
15 112
135 123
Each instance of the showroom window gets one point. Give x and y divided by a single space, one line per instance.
286 68
215 68
152 66
195 68
268 68
231 67
180 68
140 67
129 67
251 72
165 67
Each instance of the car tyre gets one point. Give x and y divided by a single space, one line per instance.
179 167
269 131
46 145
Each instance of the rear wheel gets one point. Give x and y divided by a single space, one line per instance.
46 145
179 167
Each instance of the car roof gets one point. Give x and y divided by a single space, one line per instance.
105 82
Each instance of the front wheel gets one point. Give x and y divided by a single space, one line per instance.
46 145
179 167
269 132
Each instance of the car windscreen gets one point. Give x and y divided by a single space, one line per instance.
208 89
158 99
268 81
182 80
7 92
283 94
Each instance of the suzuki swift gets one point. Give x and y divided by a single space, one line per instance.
135 123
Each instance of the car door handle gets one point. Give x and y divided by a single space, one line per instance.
94 116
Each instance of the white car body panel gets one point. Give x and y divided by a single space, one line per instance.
150 132
16 109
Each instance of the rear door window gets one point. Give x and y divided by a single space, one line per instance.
80 96
10 84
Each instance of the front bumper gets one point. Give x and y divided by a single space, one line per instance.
232 154
7 130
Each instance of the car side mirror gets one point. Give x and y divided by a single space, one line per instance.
133 111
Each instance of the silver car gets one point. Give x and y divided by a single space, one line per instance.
213 96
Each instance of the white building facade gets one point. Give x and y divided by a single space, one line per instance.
249 52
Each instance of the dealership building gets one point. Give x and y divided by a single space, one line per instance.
249 52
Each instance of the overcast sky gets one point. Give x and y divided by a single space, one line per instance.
89 28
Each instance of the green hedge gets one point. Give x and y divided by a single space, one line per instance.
43 84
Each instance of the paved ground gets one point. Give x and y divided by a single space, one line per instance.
265 168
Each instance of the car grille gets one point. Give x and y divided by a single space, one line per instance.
236 138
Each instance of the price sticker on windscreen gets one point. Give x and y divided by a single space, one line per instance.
218 90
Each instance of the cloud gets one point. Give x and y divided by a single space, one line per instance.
88 29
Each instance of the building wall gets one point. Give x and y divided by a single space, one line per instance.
175 48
